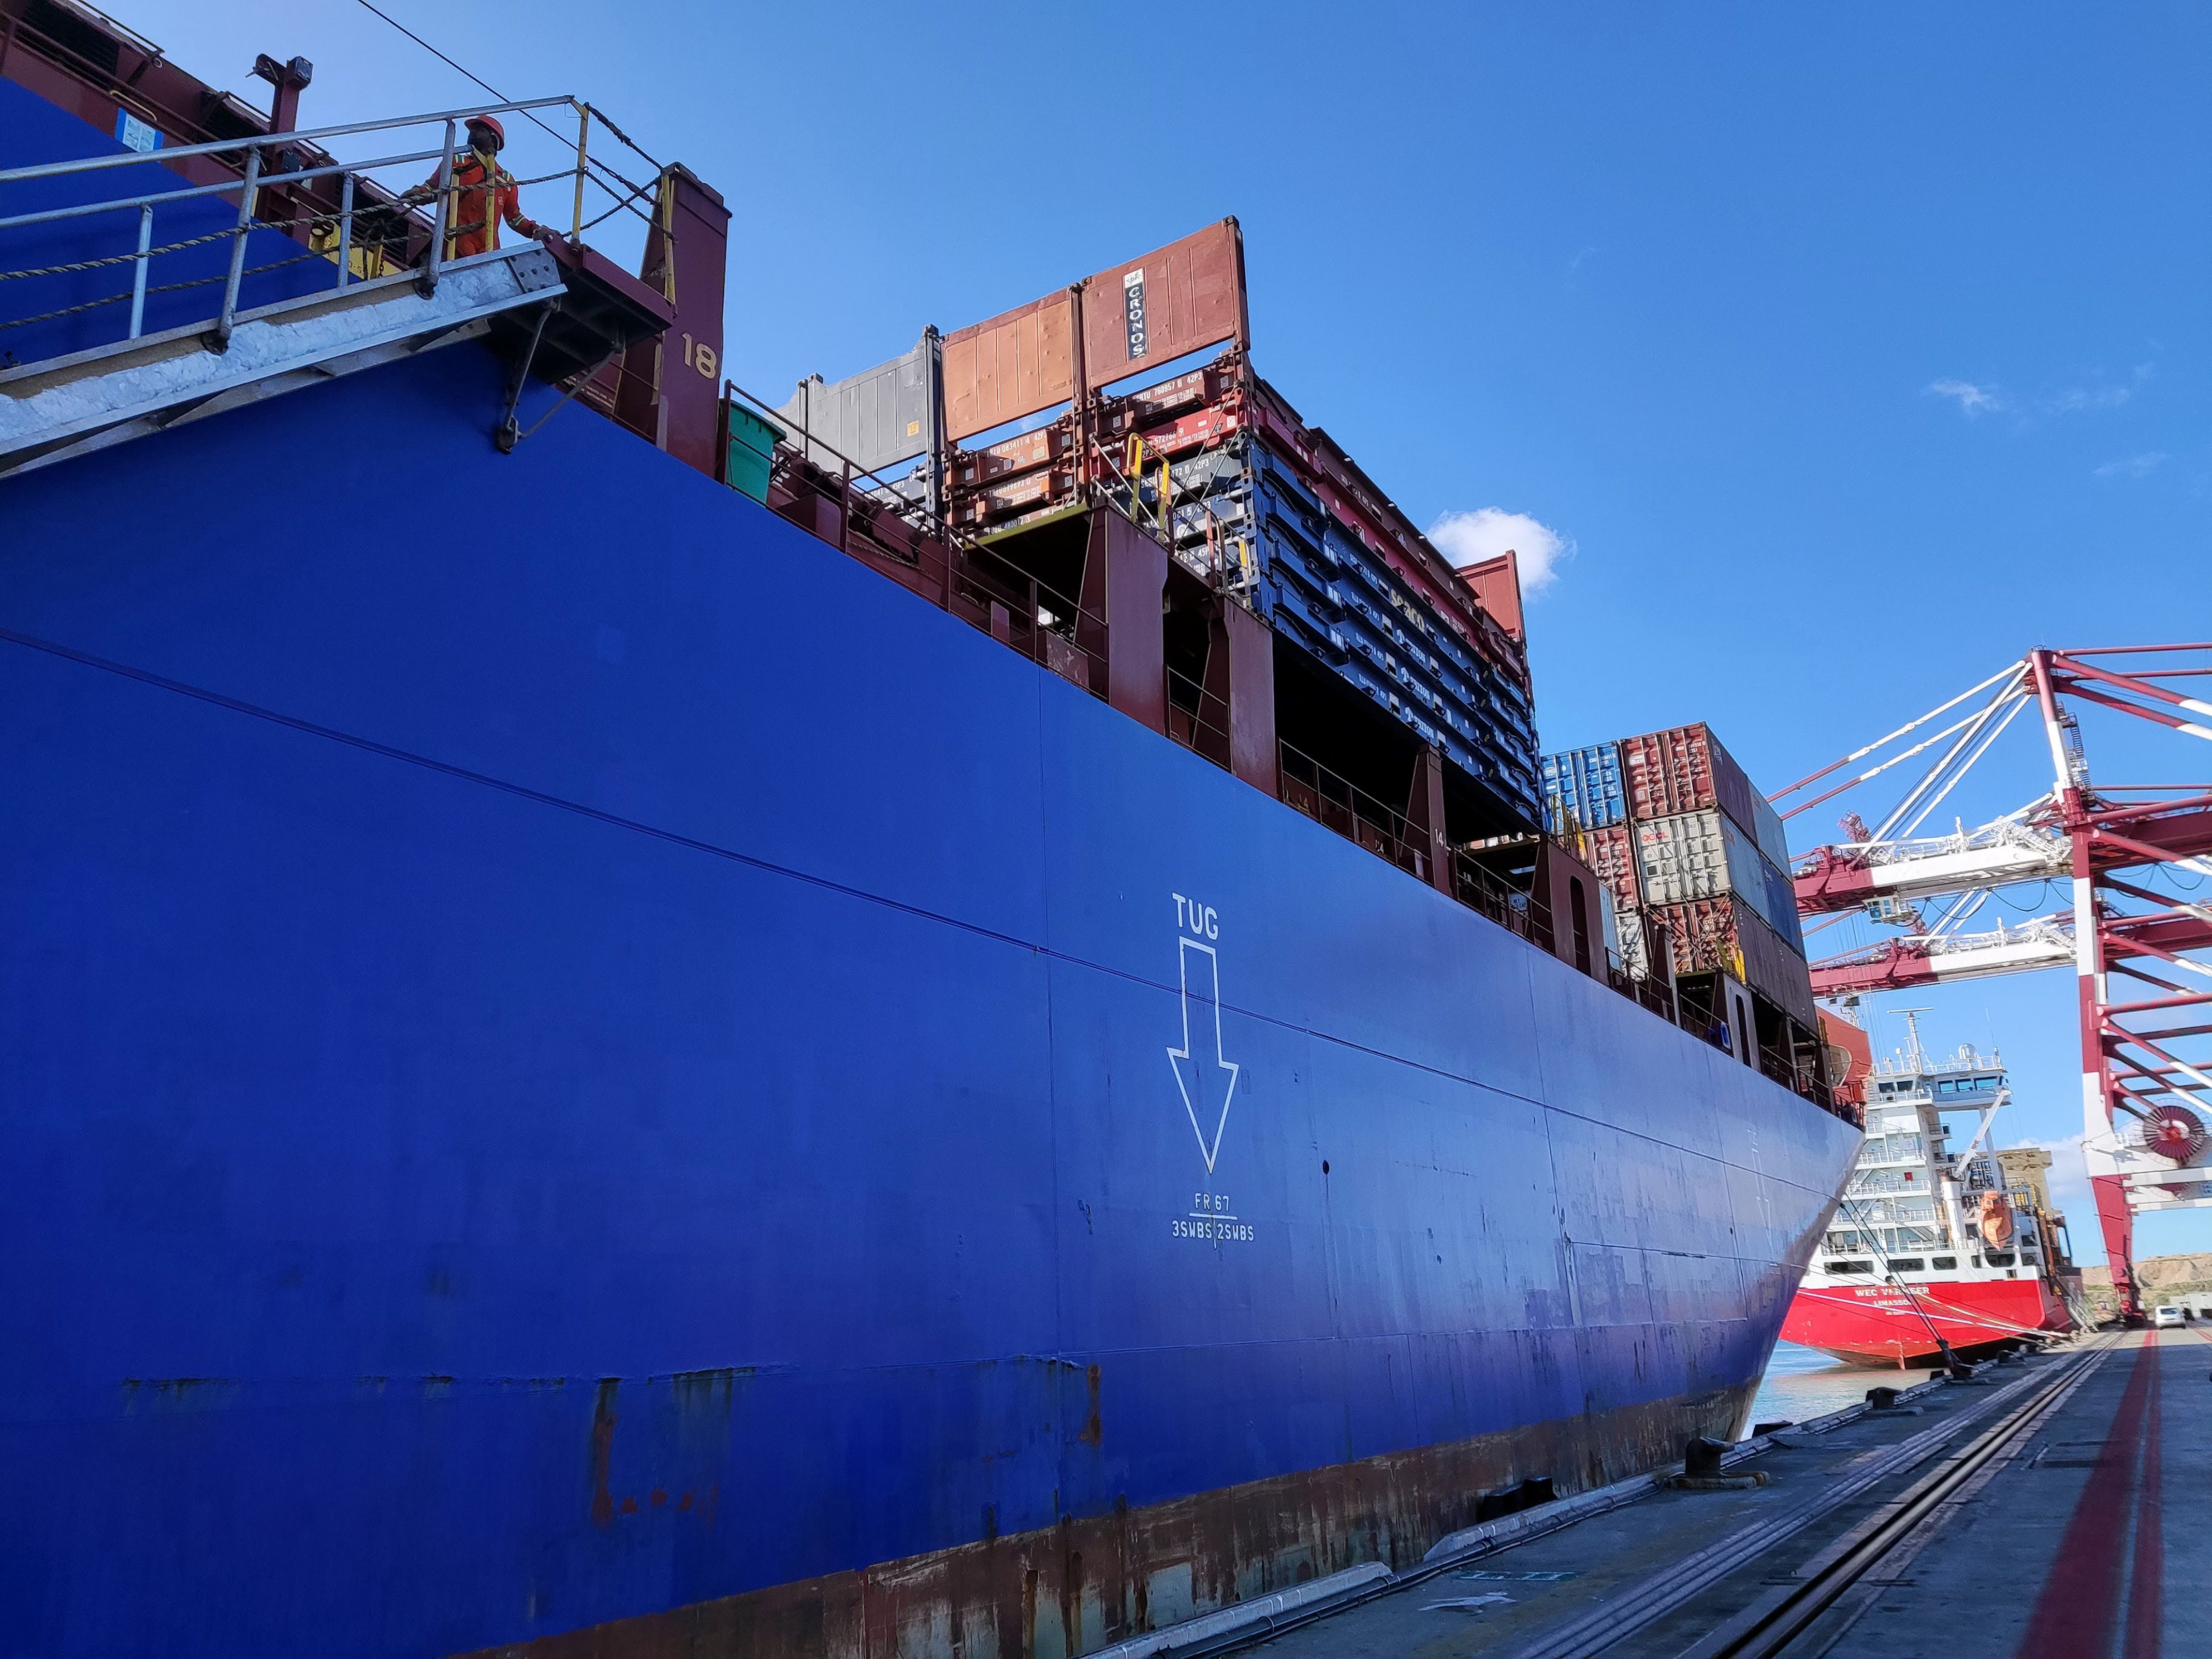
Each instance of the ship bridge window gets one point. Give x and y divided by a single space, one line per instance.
1945 1263
1999 1258
1908 1264
1850 1267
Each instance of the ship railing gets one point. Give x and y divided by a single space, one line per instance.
1198 718
1323 795
1345 807
293 183
885 519
1522 913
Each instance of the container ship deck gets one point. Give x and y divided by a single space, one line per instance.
586 1070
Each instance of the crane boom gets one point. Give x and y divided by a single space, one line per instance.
1835 879
2141 1086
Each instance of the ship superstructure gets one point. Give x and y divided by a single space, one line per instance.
1932 1242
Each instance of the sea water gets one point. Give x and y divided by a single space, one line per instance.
1802 1383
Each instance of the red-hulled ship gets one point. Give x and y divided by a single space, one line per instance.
1928 1243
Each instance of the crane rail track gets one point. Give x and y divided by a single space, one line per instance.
1843 1574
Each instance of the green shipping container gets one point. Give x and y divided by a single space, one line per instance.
752 447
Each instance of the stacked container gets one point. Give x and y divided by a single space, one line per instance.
1673 827
1582 789
1320 584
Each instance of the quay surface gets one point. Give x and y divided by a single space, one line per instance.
2052 1509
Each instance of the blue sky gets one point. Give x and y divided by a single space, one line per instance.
1844 355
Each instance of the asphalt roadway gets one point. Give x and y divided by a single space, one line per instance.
2081 1535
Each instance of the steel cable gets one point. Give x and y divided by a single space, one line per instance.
120 258
165 288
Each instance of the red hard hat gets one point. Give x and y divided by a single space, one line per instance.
490 122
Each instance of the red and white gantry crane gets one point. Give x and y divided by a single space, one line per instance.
2131 854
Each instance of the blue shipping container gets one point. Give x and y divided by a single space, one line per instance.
1587 783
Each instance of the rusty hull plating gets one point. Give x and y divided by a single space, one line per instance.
1065 1589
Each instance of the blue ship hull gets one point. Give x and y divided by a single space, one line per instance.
604 1063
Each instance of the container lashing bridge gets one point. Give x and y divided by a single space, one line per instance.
2133 937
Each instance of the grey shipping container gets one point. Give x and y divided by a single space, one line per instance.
1703 855
875 419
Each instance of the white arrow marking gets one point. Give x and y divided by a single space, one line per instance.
1178 1057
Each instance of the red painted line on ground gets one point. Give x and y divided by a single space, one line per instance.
2147 1582
2077 1612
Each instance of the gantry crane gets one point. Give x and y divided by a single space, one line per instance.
2146 1080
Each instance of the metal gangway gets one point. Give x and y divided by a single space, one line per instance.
354 272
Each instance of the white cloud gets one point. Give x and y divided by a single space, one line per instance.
1973 399
1470 537
2097 396
2135 466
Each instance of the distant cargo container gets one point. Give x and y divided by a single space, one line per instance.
1684 768
1726 935
1699 856
1586 783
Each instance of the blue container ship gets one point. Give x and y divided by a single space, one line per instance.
583 1074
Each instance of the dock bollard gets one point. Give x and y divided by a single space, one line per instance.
1701 1469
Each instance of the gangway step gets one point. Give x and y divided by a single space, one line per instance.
67 406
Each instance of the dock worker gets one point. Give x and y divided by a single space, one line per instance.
484 194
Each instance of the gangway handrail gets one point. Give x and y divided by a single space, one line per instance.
224 146
226 186
324 229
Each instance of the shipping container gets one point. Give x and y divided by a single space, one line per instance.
1726 934
1314 580
1644 950
1766 826
1686 769
1781 906
1611 852
1683 768
1585 784
1697 855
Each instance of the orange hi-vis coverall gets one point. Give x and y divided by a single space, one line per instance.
483 196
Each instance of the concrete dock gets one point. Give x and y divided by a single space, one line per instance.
2051 1508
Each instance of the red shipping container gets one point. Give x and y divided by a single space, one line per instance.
1684 769
1611 853
1725 934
